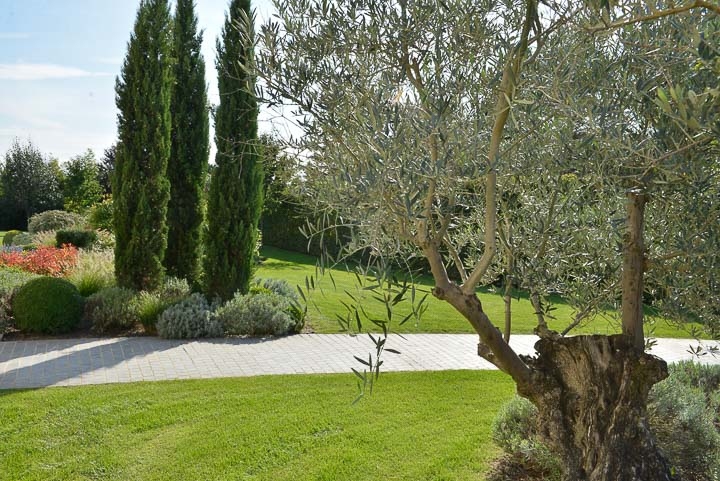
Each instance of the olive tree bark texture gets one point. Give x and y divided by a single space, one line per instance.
591 393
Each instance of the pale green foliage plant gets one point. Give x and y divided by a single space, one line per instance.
55 220
515 431
256 314
23 239
280 287
191 318
111 308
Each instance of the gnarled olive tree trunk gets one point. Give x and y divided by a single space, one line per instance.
591 394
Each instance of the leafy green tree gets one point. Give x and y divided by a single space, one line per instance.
141 190
458 130
29 185
190 149
235 201
81 187
106 167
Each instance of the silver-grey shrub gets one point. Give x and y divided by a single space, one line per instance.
111 307
280 287
55 220
682 418
190 318
256 314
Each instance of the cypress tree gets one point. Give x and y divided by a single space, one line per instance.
235 200
189 153
140 187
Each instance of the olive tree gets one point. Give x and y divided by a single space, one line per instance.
532 139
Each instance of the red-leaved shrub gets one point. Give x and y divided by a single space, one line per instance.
46 261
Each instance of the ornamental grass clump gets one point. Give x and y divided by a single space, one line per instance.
191 318
95 270
45 238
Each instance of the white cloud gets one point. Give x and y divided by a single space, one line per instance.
14 36
42 71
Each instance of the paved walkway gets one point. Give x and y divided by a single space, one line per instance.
73 362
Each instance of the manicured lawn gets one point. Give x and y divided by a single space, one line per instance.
416 426
326 304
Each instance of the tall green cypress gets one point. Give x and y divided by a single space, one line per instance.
236 187
140 187
190 148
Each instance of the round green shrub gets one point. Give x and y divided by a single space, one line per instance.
23 239
112 307
55 220
9 236
47 305
256 314
190 318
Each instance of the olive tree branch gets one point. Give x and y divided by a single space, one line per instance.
506 92
656 15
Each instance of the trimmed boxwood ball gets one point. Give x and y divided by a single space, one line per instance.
47 305
9 236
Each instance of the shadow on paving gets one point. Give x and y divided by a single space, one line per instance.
83 359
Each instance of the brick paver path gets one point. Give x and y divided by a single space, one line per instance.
72 362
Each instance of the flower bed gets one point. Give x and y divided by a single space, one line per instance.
46 261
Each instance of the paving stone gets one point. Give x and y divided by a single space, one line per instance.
25 364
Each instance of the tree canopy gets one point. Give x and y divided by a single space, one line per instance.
28 185
569 145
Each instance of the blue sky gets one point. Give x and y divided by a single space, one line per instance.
58 63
